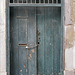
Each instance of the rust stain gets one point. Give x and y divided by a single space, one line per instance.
32 50
28 57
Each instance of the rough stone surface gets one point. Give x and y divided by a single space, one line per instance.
69 37
69 72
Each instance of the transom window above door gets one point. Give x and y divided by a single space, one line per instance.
37 1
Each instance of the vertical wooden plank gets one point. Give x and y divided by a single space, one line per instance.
14 42
48 45
57 40
40 34
32 67
22 39
22 50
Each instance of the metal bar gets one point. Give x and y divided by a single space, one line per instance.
26 1
39 1
13 1
44 1
56 1
35 1
52 1
31 1
48 1
34 5
22 1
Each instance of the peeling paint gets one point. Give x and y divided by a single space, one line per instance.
30 55
24 66
20 70
29 58
32 50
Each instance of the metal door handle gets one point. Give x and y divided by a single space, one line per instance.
27 47
22 44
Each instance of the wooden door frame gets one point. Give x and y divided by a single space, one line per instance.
8 36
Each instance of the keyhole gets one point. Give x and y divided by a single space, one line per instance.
38 43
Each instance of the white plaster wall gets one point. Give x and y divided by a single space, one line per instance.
2 37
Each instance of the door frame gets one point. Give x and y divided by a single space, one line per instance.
8 36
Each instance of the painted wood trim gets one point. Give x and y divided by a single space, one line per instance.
8 32
62 36
33 5
7 38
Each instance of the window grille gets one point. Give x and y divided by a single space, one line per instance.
37 2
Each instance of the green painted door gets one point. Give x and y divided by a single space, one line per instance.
35 41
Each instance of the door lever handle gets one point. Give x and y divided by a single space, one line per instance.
22 44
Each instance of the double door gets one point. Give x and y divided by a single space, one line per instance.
35 40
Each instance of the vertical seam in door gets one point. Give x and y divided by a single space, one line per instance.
36 41
18 46
27 10
44 40
53 40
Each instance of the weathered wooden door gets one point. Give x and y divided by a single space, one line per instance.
35 41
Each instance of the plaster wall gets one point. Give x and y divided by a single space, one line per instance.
2 37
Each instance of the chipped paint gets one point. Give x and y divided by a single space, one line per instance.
24 66
32 50
30 55
20 70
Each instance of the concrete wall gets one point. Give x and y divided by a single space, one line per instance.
69 37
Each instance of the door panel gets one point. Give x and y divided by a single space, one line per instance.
32 66
35 40
49 26
23 32
40 20
57 41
